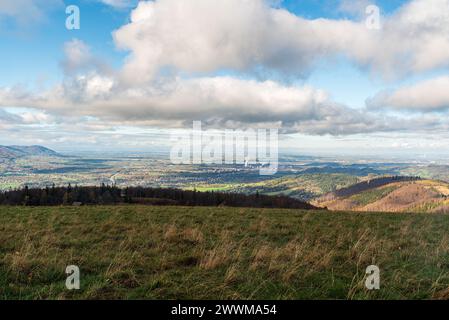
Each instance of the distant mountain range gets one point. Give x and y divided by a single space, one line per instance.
12 152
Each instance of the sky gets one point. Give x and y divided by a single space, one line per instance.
332 76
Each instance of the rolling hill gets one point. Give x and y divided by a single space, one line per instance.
12 152
402 195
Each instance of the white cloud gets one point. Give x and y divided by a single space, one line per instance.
217 101
77 56
35 117
176 48
205 36
355 8
429 95
79 60
27 11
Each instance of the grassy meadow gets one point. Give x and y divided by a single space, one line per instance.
143 252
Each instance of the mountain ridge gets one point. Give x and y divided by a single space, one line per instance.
14 151
414 195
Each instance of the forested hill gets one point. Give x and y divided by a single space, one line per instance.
371 184
110 195
12 152
394 194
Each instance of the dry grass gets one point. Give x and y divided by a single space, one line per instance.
229 253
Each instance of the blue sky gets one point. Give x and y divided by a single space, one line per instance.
314 9
31 50
325 84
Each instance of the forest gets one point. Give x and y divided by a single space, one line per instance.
371 184
111 195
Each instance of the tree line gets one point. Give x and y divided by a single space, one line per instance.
112 195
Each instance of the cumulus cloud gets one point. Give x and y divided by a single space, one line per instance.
426 96
217 101
202 36
77 56
9 120
78 59
176 48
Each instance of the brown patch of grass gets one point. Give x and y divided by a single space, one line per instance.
171 233
193 235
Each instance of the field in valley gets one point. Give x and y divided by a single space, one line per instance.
144 252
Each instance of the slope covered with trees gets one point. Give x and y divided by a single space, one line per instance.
109 195
371 184
399 195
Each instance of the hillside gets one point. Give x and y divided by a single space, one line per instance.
303 187
141 252
427 196
12 152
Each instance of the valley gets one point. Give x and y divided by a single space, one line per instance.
306 178
392 214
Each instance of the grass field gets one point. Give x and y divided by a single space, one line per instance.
137 252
